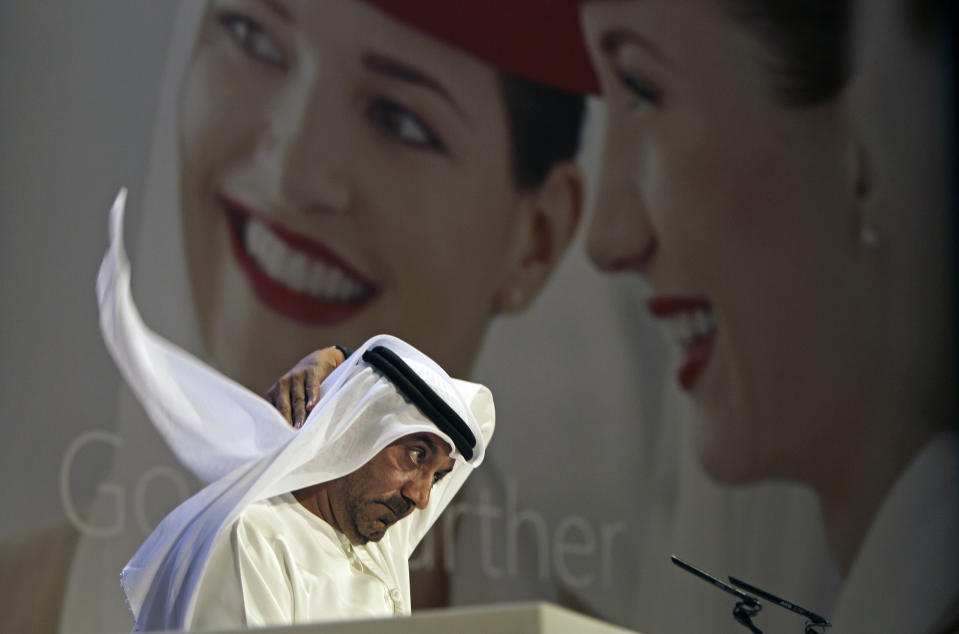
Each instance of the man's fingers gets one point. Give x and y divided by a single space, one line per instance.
297 392
298 400
313 380
279 396
322 364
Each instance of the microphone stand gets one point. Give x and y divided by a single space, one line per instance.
748 606
815 624
745 609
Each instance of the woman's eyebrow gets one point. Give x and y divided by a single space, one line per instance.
278 8
390 67
614 39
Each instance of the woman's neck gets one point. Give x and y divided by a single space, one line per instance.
851 494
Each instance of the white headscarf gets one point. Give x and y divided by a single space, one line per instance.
226 433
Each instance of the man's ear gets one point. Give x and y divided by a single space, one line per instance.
550 215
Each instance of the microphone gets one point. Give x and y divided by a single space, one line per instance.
748 605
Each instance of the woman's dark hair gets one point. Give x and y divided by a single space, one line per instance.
810 43
931 19
544 126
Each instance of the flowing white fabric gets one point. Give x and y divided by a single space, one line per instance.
225 432
194 407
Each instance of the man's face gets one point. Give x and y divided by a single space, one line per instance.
387 488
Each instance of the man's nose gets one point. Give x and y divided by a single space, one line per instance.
417 491
307 144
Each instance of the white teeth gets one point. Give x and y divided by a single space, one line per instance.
298 271
334 284
683 329
703 322
686 327
316 280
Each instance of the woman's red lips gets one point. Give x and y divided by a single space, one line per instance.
669 305
293 274
696 357
690 324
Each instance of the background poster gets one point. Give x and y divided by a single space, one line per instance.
590 484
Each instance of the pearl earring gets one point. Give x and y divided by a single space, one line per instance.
868 237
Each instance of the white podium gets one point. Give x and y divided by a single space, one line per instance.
505 618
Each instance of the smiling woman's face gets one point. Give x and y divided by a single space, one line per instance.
342 175
737 211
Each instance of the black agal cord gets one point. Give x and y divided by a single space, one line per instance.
415 389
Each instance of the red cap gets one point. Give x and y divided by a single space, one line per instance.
540 40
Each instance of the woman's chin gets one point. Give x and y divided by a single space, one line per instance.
725 469
725 452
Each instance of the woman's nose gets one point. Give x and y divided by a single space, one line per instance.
307 144
620 236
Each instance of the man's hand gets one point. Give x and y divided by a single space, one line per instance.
296 393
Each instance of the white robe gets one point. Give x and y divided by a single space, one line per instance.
279 563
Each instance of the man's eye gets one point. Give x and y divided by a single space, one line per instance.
400 123
252 39
417 455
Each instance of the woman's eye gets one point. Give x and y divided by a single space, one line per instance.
402 124
251 37
641 93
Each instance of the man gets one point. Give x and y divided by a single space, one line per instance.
338 549
305 524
